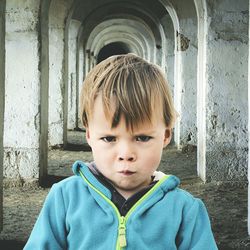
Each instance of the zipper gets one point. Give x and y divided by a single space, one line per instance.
122 241
121 238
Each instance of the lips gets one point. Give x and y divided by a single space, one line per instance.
126 172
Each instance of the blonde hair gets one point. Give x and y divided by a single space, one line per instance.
136 88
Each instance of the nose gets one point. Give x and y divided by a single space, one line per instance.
126 152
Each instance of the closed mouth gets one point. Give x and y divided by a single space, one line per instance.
126 172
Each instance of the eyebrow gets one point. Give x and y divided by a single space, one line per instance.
112 133
144 132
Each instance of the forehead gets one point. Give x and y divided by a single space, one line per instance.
100 116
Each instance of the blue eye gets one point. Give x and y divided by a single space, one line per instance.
108 139
143 138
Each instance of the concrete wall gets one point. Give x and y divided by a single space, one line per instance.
226 78
2 91
35 61
22 96
188 129
57 16
169 33
227 54
188 47
80 78
186 92
73 32
248 125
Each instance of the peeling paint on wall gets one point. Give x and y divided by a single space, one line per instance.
184 42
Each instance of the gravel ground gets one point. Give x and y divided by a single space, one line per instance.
226 202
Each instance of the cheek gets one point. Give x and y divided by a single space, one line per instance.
101 154
152 159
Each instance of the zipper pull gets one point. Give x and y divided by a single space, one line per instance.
122 233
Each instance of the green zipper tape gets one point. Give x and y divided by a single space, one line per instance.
144 197
121 242
121 238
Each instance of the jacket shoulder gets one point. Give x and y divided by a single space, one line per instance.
72 182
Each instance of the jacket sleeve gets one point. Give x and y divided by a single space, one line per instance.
195 232
49 231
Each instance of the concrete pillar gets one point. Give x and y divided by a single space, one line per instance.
161 48
169 47
226 119
72 86
87 61
44 93
201 10
92 59
79 81
22 88
188 50
177 68
65 82
57 15
2 93
248 124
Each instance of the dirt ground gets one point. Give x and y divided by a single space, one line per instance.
225 202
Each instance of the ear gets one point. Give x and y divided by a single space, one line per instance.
167 137
87 135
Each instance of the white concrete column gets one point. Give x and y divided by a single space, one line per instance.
44 92
201 10
226 119
248 123
161 48
22 88
80 75
92 59
2 93
72 91
177 67
87 61
168 27
57 14
188 50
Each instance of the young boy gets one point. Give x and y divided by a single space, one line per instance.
120 201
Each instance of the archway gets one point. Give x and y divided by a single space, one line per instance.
115 48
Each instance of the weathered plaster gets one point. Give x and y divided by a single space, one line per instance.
20 162
44 92
168 28
188 128
2 97
57 16
248 124
227 91
224 78
202 20
73 32
22 95
79 82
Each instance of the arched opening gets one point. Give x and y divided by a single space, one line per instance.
39 50
134 34
115 48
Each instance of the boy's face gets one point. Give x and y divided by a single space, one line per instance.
126 158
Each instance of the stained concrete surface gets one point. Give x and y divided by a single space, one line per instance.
226 202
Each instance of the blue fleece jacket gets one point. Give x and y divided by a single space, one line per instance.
78 214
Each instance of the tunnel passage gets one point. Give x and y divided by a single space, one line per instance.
115 48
